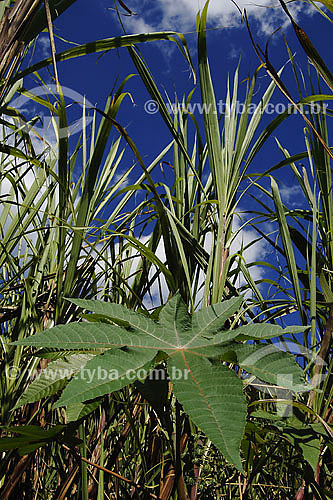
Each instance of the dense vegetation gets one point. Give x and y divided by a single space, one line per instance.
81 259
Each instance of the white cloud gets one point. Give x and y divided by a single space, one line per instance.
27 180
234 52
244 238
180 15
18 182
139 25
132 256
43 46
243 242
291 195
254 250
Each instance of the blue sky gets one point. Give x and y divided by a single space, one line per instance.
228 40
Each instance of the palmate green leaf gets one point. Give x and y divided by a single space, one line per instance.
53 378
93 336
210 392
79 410
211 320
213 397
308 441
263 331
119 313
299 434
174 318
268 363
107 372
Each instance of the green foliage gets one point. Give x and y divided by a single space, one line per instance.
32 437
210 393
53 378
55 243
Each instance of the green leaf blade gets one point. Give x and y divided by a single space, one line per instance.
89 336
175 323
213 398
105 373
264 331
270 364
53 378
141 324
210 320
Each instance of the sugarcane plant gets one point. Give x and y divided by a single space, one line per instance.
174 372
